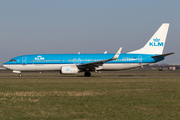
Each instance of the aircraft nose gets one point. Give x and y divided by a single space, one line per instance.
4 65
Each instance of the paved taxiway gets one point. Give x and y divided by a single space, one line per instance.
100 77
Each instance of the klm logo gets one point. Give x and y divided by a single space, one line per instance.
39 58
156 43
67 69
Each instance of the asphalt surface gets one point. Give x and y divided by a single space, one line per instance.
95 77
107 74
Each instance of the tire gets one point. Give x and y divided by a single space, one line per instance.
87 74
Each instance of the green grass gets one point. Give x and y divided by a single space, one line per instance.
83 98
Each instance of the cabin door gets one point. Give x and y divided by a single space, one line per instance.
24 60
139 59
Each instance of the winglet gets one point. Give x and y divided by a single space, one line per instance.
117 54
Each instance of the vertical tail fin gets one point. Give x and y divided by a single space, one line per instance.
157 42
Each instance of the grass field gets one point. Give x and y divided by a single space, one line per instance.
110 95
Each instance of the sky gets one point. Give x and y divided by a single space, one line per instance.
86 26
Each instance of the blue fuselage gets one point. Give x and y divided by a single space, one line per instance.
81 59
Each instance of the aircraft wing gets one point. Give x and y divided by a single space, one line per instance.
92 65
163 55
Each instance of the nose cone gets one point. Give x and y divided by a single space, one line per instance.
5 65
8 66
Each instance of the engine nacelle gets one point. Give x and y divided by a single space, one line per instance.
69 70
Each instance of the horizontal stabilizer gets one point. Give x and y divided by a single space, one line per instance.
163 55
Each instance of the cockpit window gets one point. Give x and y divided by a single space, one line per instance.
13 60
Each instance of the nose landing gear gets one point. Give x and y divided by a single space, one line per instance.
20 75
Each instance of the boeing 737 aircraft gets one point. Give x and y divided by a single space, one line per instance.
73 63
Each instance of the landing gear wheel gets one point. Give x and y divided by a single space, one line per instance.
87 74
20 75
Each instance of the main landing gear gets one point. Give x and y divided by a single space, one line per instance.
87 74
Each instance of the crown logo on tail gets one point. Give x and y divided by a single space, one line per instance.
156 40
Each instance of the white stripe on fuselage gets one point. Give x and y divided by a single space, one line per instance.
41 67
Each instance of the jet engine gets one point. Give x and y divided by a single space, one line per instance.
69 70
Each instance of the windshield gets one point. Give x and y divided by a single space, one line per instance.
13 60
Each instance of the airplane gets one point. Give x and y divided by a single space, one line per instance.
151 53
